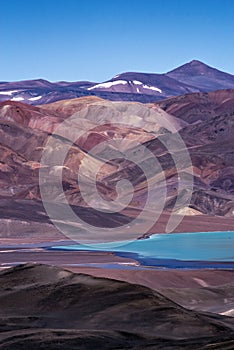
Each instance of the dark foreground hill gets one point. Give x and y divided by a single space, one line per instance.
44 307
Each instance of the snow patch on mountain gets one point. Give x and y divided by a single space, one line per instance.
35 98
9 93
144 86
152 88
108 84
17 98
136 82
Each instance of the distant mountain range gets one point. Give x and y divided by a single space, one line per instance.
194 76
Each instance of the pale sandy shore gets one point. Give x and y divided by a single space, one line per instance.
69 259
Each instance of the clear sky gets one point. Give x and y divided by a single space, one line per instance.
97 39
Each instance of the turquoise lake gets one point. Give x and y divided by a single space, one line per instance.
199 246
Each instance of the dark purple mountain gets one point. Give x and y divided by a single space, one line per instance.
194 76
202 77
158 85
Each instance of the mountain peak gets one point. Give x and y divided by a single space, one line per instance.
198 74
196 63
192 67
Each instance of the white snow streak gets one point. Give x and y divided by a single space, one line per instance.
9 92
19 98
136 82
152 88
108 84
35 98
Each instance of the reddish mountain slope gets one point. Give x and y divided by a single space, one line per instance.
24 131
197 107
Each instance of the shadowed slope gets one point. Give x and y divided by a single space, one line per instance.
80 306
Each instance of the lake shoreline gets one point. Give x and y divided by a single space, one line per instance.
73 258
183 250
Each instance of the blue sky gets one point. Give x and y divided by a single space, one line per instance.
97 39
